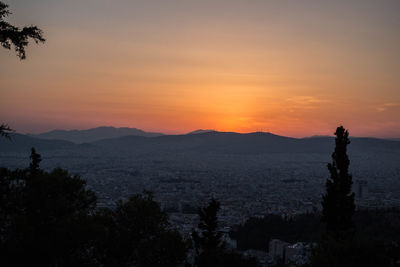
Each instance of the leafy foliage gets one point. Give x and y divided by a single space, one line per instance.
44 216
208 244
210 250
358 251
138 233
378 226
12 35
50 219
5 130
256 233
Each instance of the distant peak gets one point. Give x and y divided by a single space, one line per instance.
201 131
94 134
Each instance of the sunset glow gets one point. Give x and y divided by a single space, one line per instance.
294 68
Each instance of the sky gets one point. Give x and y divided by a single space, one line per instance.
294 68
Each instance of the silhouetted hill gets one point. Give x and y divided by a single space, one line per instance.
94 134
200 131
24 143
235 143
208 142
212 142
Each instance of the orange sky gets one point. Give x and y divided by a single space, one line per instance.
294 68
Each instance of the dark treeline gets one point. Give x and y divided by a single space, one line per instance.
381 225
50 219
256 233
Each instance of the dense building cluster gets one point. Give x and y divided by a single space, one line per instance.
246 185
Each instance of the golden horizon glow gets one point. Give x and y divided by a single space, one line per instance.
291 69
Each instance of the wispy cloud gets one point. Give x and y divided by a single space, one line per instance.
386 106
306 100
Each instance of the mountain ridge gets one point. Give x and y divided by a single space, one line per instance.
207 142
203 141
92 134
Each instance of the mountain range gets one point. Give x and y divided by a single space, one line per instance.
94 134
120 140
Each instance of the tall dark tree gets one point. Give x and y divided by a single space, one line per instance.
19 38
342 246
208 244
210 249
35 161
338 202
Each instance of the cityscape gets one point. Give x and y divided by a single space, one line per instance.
247 184
212 133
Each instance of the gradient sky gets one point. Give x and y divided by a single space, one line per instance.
293 68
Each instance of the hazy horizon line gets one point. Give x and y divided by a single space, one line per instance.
163 132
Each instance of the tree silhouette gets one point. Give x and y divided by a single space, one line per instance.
44 217
12 35
50 219
137 233
340 246
5 130
210 249
208 244
35 161
338 202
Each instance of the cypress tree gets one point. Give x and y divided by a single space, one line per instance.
210 248
35 161
208 244
338 202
